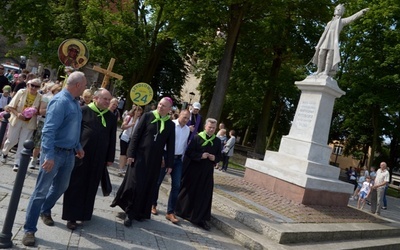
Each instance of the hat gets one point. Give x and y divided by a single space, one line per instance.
7 88
196 105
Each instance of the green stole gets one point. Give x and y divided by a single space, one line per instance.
93 107
206 141
161 119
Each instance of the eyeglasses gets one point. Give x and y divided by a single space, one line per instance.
35 86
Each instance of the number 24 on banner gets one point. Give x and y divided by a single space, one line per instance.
141 94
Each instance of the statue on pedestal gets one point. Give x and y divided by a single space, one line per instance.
327 54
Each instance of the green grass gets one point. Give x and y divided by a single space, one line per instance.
392 192
236 166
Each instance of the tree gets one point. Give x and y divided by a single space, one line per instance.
136 33
288 42
369 77
237 12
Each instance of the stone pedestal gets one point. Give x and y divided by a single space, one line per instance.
300 170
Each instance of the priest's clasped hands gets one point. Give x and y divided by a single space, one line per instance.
206 155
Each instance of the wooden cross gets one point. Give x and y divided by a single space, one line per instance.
107 73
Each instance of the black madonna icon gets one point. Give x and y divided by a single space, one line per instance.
73 53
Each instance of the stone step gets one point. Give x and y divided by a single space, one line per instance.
243 234
257 227
253 240
392 243
281 231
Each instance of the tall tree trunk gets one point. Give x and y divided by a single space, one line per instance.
261 138
155 50
262 130
147 72
246 136
364 157
237 12
394 142
152 63
393 154
272 135
376 133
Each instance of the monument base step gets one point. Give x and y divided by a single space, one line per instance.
296 186
255 231
257 227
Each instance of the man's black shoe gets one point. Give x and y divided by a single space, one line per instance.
72 225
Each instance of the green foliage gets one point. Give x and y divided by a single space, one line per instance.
170 75
369 111
151 40
135 33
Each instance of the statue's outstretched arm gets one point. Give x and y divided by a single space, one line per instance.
354 17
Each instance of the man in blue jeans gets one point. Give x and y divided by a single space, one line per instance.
60 143
182 132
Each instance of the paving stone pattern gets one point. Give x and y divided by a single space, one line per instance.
237 189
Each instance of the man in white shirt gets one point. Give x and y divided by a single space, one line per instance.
181 136
377 192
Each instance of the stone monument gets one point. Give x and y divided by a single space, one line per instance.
300 170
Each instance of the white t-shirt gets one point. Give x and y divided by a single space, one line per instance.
127 133
366 187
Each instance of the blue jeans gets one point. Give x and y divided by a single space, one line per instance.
225 161
175 185
49 187
384 196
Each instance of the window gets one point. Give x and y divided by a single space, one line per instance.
337 150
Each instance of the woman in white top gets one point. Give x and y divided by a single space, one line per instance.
228 150
128 126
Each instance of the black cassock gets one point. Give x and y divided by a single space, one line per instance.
98 142
195 195
136 192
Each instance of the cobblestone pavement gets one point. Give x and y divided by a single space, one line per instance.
236 188
106 229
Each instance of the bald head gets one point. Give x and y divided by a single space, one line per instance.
76 83
164 106
75 77
102 98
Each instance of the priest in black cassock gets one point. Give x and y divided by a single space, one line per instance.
195 196
98 137
154 132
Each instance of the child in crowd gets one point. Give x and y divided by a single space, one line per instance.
372 174
364 192
360 182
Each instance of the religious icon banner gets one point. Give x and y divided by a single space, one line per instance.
73 53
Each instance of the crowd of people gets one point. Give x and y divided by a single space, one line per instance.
65 120
74 130
370 187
